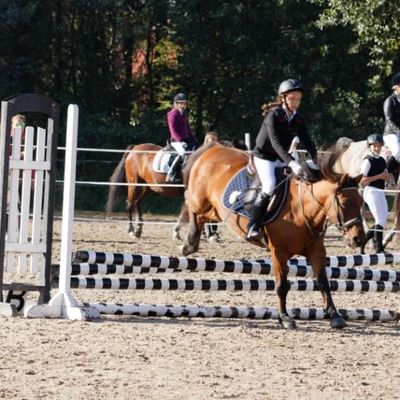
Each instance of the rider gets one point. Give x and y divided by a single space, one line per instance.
373 169
391 109
182 138
282 123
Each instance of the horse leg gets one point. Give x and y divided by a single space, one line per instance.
139 219
192 241
182 219
211 232
317 259
282 287
128 208
135 196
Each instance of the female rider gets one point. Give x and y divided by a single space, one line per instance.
282 123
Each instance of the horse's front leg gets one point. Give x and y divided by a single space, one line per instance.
192 241
317 259
279 262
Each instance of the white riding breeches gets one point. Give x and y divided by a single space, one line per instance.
180 147
377 203
392 141
266 172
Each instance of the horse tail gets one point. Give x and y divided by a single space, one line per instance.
115 192
193 158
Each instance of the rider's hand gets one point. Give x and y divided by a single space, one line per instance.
295 166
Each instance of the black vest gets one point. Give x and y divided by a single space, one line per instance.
378 165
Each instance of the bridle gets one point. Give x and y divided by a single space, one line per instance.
341 225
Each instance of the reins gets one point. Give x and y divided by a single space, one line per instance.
342 226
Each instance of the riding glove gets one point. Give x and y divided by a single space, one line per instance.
295 166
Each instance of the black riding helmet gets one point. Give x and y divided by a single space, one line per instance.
396 79
290 85
180 98
374 138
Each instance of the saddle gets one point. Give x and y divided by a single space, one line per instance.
164 158
244 190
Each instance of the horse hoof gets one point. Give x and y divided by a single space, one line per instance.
184 250
288 323
338 323
138 234
131 234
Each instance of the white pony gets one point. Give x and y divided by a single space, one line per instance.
350 162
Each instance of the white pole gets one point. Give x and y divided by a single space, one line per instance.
63 304
69 198
247 141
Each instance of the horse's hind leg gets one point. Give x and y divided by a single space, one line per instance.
318 266
128 209
192 241
135 196
182 219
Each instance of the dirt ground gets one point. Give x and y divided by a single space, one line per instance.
126 357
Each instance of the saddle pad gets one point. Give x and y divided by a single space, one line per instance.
161 161
235 193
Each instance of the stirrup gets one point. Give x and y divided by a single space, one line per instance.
253 232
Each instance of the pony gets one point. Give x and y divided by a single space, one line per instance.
136 167
299 227
349 161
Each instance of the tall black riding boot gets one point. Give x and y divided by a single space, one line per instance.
174 172
257 213
378 239
393 168
369 235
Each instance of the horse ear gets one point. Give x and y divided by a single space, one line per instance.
358 179
343 179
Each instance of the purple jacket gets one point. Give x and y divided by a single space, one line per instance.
179 127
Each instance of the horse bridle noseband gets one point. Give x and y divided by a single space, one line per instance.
342 226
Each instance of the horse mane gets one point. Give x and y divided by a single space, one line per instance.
326 168
193 158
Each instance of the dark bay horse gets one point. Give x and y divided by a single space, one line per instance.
299 227
136 167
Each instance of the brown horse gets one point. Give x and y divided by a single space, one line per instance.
299 227
136 167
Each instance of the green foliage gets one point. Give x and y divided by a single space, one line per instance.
123 61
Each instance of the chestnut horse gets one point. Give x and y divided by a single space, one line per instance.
299 227
136 167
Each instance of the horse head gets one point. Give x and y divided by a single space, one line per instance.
346 201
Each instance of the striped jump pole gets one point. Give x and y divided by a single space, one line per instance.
256 268
224 285
263 313
84 256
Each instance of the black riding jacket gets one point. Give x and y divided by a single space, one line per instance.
276 134
391 109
